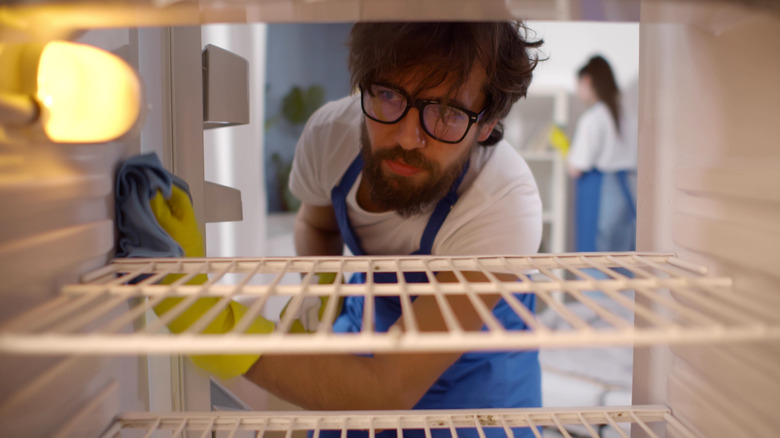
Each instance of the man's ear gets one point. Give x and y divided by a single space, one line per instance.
485 130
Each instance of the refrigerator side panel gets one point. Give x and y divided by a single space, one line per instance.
57 223
708 190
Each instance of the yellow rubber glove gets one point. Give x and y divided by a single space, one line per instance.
559 140
176 216
223 366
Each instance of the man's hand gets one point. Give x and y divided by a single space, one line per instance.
176 216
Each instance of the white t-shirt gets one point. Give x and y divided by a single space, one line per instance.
598 144
498 210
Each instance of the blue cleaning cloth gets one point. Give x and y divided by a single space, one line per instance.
137 182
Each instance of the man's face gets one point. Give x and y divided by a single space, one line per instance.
407 170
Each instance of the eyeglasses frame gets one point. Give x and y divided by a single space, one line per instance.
420 105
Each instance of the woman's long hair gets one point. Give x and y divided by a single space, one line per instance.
604 84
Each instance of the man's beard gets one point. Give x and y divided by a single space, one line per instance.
395 192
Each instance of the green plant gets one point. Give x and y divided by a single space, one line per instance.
296 108
298 104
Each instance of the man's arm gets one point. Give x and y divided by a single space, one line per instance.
348 382
317 232
385 381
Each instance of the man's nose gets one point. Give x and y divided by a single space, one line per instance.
409 132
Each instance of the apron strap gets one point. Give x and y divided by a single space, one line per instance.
338 197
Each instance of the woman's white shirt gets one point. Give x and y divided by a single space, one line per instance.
599 145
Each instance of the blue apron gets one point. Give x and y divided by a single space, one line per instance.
476 380
606 212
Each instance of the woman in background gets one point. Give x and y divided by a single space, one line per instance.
602 159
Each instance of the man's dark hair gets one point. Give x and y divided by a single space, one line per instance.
448 51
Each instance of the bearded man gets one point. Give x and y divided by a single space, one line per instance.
414 163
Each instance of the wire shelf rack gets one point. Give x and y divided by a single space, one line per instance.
622 299
591 421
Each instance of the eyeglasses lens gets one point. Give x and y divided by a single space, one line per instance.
383 104
442 122
445 122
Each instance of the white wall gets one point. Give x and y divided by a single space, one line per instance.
569 45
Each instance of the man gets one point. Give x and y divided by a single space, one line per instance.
413 164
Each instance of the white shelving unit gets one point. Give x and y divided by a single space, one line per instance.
677 302
232 424
527 128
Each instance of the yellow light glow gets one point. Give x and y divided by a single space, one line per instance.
87 95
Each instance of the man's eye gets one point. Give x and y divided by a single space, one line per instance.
388 96
447 114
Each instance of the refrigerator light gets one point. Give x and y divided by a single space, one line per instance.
86 94
83 94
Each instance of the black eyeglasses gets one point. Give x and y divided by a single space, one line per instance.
445 123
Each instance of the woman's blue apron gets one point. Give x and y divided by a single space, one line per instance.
476 380
605 212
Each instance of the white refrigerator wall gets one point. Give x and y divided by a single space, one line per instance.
709 190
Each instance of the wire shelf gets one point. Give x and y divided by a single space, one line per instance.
593 299
589 420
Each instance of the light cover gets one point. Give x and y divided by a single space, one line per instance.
87 95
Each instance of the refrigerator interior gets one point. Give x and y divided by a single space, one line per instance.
81 354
